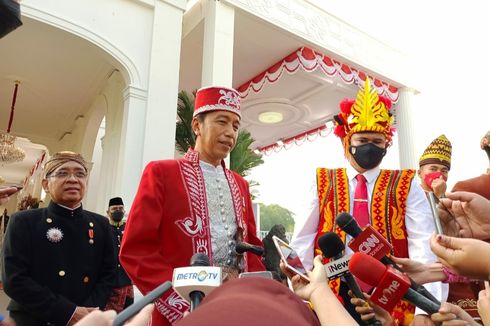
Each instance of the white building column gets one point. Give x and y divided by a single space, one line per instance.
130 163
217 56
405 129
163 82
148 124
219 27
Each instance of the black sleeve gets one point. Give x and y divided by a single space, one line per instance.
107 273
19 286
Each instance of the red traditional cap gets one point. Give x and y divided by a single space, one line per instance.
215 98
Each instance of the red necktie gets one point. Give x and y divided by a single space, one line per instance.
361 214
361 210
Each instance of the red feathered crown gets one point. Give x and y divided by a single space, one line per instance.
369 112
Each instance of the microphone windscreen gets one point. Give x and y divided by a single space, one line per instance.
348 224
199 259
331 245
241 247
366 268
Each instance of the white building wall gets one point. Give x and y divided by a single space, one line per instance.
333 36
141 39
121 28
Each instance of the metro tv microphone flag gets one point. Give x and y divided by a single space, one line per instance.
390 284
369 241
194 282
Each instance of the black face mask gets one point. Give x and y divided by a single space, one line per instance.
368 156
117 216
9 16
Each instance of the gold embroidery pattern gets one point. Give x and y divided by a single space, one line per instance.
332 202
323 188
384 205
379 204
341 191
402 190
466 303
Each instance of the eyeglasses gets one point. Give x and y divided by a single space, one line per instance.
66 175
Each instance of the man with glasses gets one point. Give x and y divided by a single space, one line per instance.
58 261
123 293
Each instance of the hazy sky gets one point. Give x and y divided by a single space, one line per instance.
448 41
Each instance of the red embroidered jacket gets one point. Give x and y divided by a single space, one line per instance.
169 222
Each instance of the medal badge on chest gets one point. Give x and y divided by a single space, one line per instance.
91 233
54 235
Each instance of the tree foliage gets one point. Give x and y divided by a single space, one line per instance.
273 214
184 136
242 158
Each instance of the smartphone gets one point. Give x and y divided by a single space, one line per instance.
133 309
290 258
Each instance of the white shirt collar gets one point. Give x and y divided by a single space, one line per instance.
207 167
370 175
71 209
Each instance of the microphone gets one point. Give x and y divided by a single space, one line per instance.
242 247
332 248
194 282
391 284
369 241
435 214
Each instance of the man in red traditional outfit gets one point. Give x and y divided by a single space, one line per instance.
192 205
390 200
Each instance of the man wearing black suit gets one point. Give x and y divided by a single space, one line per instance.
58 261
123 293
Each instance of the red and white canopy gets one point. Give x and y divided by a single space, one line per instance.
305 61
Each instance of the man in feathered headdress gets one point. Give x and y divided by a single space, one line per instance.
391 201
